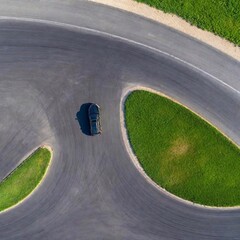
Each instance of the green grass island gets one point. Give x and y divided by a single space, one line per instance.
181 152
25 178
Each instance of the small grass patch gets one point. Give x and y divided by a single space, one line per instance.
24 179
181 152
221 17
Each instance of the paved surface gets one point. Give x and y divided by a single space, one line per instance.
93 190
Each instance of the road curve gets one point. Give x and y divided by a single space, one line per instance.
93 190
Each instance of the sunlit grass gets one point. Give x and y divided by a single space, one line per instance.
24 179
221 17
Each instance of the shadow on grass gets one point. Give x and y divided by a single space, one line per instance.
82 117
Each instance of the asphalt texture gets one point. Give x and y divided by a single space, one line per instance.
48 75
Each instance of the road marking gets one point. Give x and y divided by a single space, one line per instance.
67 25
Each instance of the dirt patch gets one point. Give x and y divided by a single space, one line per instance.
179 147
177 23
177 177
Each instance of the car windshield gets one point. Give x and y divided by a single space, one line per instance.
93 116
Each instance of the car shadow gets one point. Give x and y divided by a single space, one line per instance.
83 120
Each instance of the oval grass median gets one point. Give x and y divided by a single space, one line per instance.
24 179
181 152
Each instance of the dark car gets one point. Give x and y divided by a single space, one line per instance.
94 119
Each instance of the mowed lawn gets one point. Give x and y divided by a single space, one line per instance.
181 152
221 17
24 179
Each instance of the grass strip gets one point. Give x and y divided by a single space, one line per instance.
221 17
24 179
181 152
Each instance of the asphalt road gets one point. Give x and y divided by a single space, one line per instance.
93 190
